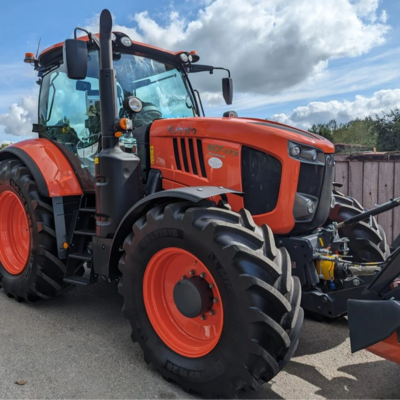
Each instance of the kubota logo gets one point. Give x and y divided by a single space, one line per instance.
178 130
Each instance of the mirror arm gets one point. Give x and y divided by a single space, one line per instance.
225 69
92 38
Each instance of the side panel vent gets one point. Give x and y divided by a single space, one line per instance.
176 152
189 156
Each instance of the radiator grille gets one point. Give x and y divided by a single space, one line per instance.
261 180
189 156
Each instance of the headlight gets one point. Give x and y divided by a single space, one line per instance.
126 41
133 103
184 57
295 151
310 155
310 206
304 207
113 37
306 153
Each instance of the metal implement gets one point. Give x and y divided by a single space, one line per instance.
375 324
366 214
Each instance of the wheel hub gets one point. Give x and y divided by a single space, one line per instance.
193 296
183 302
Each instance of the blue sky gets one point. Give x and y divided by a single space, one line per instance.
325 79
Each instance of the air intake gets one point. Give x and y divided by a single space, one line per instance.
189 156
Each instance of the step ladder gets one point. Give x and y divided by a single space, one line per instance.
80 256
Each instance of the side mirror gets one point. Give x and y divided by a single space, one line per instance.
227 90
75 58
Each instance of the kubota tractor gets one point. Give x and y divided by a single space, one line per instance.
212 225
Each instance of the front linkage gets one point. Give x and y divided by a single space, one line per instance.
326 270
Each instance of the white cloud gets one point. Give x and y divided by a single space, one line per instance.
20 116
384 17
277 50
341 111
92 25
270 45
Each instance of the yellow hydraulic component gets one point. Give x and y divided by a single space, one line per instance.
325 269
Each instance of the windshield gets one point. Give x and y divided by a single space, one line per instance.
70 110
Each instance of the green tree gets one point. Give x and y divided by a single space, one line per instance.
388 129
325 130
358 131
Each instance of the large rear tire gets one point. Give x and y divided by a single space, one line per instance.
29 266
367 238
251 331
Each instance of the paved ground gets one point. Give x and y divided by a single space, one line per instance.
78 346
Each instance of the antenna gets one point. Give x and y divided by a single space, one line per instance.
37 52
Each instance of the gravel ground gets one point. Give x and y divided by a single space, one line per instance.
78 346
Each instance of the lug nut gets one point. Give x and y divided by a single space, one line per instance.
202 275
212 312
211 286
192 272
215 300
203 317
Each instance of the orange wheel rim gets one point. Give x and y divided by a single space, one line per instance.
14 233
190 337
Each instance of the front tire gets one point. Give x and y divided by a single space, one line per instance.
249 276
367 238
27 229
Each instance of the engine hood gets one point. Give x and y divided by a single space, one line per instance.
289 132
258 133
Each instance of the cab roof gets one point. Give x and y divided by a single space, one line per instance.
54 53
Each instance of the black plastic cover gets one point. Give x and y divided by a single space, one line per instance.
118 187
261 180
75 55
372 321
316 181
227 90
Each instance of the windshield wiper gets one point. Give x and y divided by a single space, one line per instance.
147 82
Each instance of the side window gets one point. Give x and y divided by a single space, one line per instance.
70 112
73 105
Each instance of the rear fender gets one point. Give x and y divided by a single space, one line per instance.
50 169
192 194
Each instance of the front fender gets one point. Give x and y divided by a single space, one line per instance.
192 194
50 169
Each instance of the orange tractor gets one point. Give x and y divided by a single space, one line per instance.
213 226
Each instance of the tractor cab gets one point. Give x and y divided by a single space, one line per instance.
69 109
